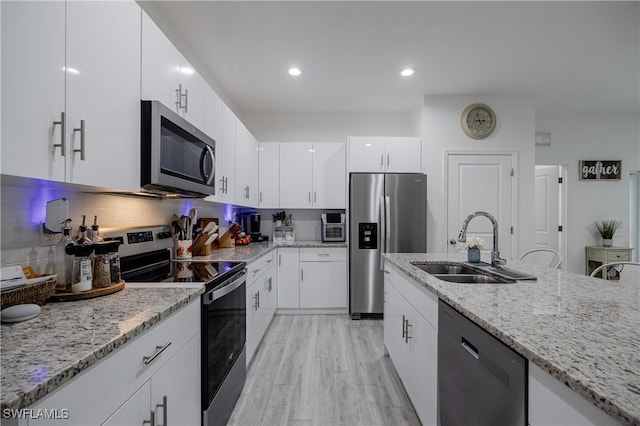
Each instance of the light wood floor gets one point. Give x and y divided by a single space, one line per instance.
322 370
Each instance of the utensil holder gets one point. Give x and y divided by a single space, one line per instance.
184 249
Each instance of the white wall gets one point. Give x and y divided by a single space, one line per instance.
515 132
576 137
326 126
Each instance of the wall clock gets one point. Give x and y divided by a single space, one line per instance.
478 121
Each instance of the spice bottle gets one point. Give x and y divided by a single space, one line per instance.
95 232
82 274
101 265
114 261
64 259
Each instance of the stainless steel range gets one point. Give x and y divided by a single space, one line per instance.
145 257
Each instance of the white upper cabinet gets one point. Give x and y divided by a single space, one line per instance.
329 175
246 167
312 175
269 175
33 48
226 154
80 94
103 94
296 180
168 77
385 154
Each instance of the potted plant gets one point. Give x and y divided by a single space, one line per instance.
473 246
279 217
607 228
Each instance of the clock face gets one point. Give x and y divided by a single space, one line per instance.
478 121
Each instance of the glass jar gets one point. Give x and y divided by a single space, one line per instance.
101 265
114 261
82 273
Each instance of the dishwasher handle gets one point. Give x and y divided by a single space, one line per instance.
473 351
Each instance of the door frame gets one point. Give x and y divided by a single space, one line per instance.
514 193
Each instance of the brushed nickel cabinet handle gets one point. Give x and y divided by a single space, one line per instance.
381 161
406 335
159 349
164 410
403 330
179 97
186 101
81 129
387 160
151 421
63 134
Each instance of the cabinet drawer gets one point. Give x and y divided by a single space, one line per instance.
268 260
319 254
253 270
613 255
121 372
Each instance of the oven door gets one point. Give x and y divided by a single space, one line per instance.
223 340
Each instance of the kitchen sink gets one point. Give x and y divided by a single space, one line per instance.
472 279
444 268
481 273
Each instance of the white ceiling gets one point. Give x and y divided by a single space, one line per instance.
569 56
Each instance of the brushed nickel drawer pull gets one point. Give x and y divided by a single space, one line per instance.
159 349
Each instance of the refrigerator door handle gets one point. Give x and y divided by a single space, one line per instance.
383 231
387 225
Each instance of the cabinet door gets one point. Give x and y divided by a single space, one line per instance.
213 128
366 154
227 176
403 155
394 338
246 167
252 309
269 165
323 285
193 85
296 162
329 175
422 382
104 93
179 381
288 278
33 64
161 63
135 411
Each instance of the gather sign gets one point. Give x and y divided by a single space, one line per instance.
600 169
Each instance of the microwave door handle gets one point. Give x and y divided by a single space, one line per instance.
208 178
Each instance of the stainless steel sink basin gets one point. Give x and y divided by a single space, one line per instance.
444 268
481 273
471 279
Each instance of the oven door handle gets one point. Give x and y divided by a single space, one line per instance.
213 295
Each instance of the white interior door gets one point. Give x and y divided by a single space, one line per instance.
480 182
547 207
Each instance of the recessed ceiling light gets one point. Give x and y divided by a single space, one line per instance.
407 72
295 71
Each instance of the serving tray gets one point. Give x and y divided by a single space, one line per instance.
89 294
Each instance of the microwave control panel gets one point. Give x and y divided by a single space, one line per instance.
368 236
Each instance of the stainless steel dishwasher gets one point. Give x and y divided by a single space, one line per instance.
481 381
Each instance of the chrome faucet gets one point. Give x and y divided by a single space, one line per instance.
496 260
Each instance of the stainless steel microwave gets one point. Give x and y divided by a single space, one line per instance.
177 159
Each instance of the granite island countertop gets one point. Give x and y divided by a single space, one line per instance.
252 251
583 331
41 354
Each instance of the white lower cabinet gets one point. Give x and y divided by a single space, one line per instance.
129 384
312 278
412 341
552 403
261 301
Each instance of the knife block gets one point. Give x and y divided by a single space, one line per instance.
226 240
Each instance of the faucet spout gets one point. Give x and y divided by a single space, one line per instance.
496 260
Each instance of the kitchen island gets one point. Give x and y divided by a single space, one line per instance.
582 331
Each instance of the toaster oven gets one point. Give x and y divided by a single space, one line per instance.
334 228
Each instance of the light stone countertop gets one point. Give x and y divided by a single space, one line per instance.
581 330
252 251
41 354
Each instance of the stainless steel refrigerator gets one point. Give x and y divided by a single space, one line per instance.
387 213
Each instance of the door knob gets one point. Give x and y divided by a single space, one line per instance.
453 241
